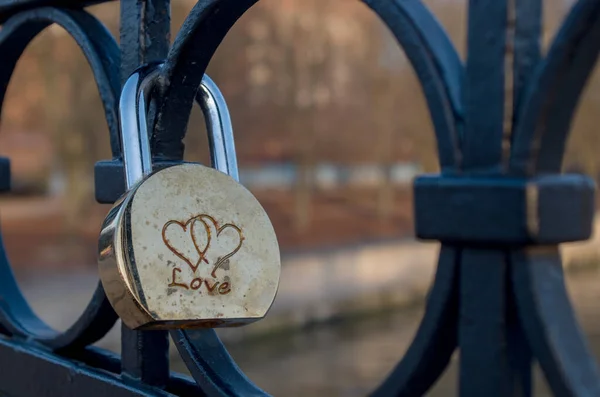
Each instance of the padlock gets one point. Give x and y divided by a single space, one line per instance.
186 246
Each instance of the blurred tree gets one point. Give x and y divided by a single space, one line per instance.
62 95
384 91
309 59
80 136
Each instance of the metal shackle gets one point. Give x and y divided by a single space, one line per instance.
135 140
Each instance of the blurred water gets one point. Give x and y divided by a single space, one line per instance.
350 358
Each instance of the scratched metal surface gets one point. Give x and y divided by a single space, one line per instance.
499 297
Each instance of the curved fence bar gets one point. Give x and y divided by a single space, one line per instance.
553 93
16 317
431 350
211 365
550 323
425 43
97 44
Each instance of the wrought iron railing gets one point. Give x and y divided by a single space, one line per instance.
500 206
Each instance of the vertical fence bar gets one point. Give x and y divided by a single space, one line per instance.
145 33
503 50
484 85
527 46
145 37
492 360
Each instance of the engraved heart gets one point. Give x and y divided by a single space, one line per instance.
226 241
176 236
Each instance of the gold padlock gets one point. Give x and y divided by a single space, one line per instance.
186 246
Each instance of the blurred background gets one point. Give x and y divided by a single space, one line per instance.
331 126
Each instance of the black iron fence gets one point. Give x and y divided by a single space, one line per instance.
500 206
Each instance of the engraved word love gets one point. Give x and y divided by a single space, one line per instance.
191 241
213 287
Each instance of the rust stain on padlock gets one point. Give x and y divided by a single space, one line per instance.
203 254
